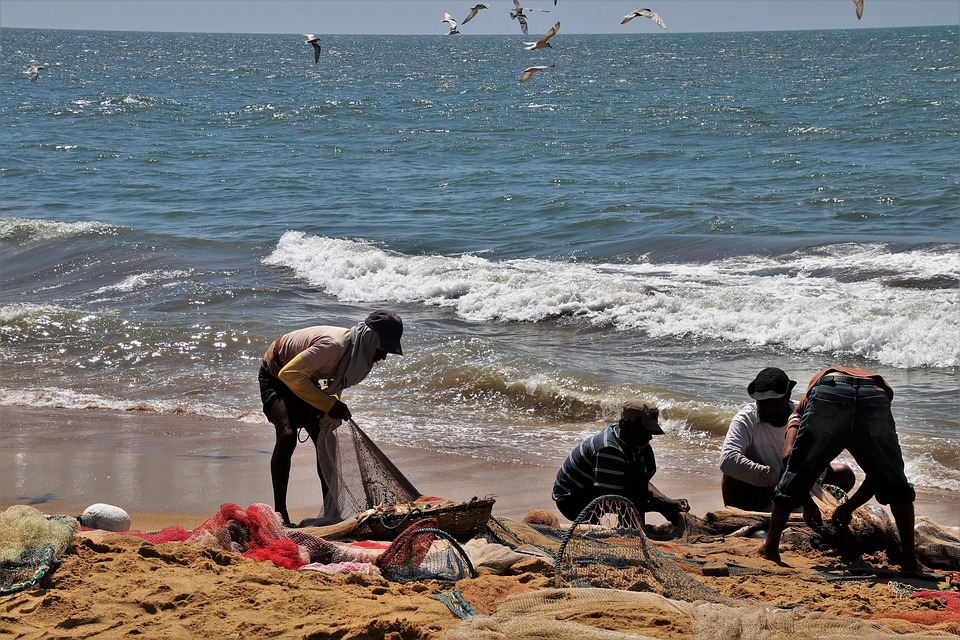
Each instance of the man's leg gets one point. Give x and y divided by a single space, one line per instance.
823 432
313 430
778 522
903 515
742 495
877 451
282 455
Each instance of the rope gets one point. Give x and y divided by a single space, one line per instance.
455 602
405 518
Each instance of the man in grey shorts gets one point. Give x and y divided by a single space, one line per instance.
844 408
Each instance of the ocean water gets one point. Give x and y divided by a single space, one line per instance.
659 215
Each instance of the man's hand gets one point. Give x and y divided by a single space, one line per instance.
812 516
683 505
340 411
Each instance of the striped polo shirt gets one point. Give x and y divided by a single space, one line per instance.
605 463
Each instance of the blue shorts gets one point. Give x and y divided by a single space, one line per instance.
851 414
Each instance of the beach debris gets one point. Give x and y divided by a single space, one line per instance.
105 517
644 13
543 42
715 569
475 10
313 40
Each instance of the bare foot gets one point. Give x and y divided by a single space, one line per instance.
910 567
763 552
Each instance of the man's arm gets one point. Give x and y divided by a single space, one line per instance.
734 461
296 375
843 514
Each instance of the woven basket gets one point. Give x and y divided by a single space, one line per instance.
462 520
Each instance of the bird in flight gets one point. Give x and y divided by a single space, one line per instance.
644 13
476 8
450 21
34 73
529 71
859 4
312 39
542 42
519 15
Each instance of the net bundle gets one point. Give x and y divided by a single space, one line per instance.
30 544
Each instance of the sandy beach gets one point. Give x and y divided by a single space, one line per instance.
169 470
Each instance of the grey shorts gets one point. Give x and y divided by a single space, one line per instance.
852 416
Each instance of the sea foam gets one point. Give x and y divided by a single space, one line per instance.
849 299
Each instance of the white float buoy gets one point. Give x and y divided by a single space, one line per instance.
106 517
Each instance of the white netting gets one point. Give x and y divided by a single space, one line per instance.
606 614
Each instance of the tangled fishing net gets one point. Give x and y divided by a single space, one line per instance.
613 582
423 552
30 544
607 548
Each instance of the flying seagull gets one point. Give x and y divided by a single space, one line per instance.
859 4
450 21
312 39
542 42
34 73
476 8
644 13
529 71
519 15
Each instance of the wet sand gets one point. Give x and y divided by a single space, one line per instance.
155 466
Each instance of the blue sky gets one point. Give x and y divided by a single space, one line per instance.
424 16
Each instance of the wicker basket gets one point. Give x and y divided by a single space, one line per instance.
462 520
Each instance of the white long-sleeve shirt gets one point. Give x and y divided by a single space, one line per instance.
751 451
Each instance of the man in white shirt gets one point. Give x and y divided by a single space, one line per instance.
751 459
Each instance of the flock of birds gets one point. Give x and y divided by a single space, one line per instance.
516 14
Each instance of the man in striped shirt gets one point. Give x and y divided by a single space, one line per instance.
617 460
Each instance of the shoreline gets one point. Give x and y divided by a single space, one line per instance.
178 469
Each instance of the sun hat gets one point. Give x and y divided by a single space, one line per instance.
639 413
389 327
770 383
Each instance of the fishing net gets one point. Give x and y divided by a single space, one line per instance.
607 548
608 614
938 546
359 475
423 552
256 532
644 592
31 543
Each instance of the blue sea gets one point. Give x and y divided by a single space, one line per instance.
658 216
